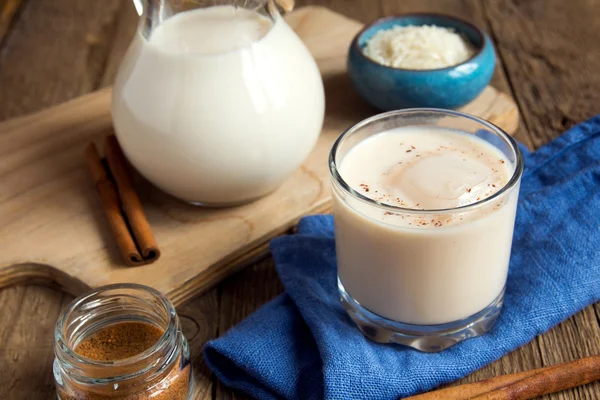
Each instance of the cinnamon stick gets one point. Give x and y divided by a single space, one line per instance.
130 202
563 376
111 206
470 390
523 385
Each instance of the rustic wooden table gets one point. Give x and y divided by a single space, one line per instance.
54 50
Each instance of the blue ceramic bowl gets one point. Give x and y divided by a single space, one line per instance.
389 88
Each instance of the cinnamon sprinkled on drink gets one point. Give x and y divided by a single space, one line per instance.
392 178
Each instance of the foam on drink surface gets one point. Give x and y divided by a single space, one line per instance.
425 169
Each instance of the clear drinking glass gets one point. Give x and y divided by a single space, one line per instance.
216 102
423 285
161 372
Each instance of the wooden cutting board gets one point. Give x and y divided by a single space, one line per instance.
53 231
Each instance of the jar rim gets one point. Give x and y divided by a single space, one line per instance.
64 345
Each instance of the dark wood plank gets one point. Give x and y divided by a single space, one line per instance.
199 319
8 12
56 51
27 333
551 53
573 339
360 10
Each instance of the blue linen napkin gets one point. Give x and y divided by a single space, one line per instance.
302 345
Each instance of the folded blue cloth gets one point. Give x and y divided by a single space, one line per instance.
302 345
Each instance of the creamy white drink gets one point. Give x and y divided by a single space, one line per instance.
219 105
417 266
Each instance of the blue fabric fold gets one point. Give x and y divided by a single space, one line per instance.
302 345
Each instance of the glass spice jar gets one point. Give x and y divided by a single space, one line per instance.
121 342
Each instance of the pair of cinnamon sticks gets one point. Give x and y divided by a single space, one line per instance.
523 385
121 204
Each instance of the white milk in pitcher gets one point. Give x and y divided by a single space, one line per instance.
219 105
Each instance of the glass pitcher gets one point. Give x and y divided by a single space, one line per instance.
216 102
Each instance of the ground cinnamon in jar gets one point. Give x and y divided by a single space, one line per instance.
121 342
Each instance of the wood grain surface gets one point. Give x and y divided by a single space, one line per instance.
549 57
48 193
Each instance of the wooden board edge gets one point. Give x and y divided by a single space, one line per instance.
47 275
244 257
511 117
43 275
